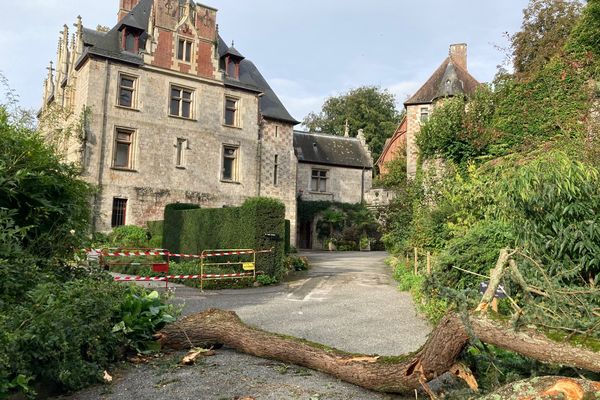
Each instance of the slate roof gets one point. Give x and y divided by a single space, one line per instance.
232 51
448 80
250 77
318 148
108 45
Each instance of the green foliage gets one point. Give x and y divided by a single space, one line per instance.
296 263
558 199
245 227
266 280
141 315
61 333
155 231
56 317
434 308
333 218
171 238
396 176
550 101
475 250
546 27
128 236
46 196
342 223
585 37
368 108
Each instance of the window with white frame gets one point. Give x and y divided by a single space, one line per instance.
231 111
181 102
127 89
424 114
230 163
123 148
318 181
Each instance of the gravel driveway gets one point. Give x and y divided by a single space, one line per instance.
346 300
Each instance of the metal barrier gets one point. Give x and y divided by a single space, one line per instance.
247 265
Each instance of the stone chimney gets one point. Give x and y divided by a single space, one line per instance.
458 55
125 7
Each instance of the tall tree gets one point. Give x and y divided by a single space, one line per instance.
546 26
369 108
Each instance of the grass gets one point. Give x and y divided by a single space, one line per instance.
433 308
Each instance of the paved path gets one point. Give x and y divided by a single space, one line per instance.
346 300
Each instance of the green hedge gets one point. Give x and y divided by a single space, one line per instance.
193 230
171 230
155 228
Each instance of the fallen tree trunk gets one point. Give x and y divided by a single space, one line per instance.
401 374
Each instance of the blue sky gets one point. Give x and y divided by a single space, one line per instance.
308 50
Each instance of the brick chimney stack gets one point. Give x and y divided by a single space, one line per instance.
458 55
125 7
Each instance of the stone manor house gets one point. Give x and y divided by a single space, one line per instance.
159 109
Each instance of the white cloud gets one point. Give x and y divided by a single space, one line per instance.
403 90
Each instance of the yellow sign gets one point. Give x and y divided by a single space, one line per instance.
249 266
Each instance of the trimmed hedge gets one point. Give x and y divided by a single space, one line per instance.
193 230
155 228
171 230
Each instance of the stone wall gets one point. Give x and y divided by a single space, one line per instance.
154 179
413 118
343 184
277 142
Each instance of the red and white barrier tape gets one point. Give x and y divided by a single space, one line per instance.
166 253
171 277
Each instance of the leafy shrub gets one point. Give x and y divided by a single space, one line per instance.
475 250
433 307
128 236
294 263
56 318
62 333
141 315
44 196
266 280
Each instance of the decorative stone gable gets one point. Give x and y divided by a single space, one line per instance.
174 21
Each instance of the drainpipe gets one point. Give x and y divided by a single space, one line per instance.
98 197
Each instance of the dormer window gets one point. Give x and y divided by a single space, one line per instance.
232 68
232 59
130 40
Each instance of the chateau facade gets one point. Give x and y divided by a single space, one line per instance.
159 109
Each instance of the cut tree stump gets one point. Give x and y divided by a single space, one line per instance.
398 374
547 388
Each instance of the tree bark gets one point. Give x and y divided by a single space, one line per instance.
401 374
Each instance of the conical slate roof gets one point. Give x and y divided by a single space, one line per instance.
448 80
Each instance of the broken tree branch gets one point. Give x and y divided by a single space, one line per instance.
401 374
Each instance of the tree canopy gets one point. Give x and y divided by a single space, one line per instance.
545 28
369 108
